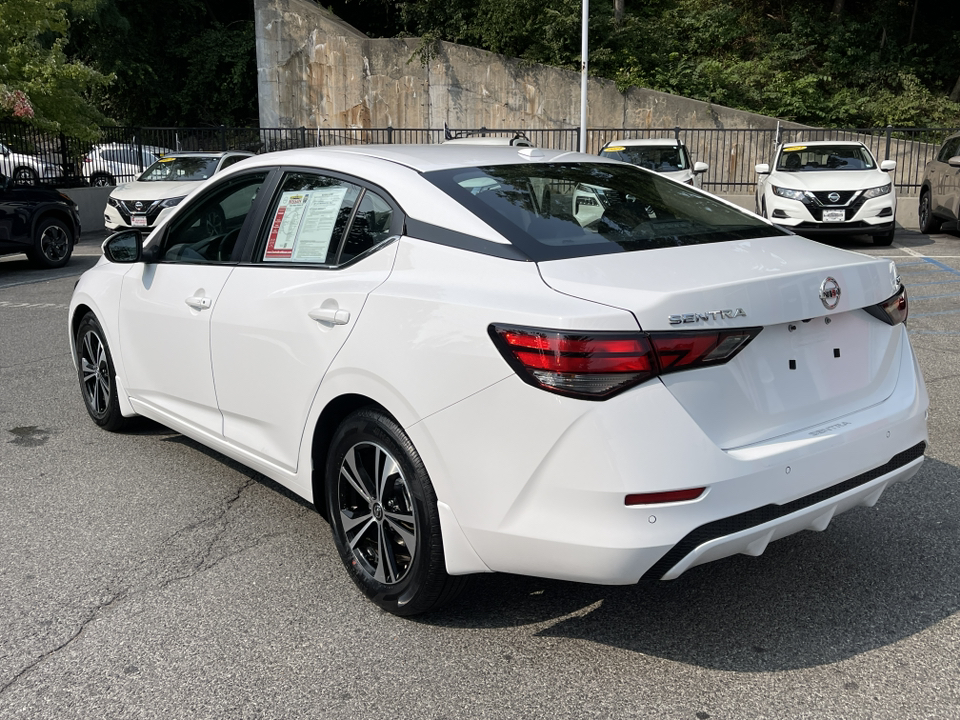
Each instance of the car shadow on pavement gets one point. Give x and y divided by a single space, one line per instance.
875 577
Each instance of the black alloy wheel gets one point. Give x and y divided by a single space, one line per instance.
97 375
52 244
384 517
102 180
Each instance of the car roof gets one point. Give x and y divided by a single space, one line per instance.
207 153
423 158
637 142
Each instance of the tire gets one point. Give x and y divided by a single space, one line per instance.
97 376
929 223
52 244
25 176
884 240
383 514
102 180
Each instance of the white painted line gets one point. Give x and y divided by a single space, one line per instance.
908 251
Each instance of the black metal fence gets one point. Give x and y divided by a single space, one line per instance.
29 155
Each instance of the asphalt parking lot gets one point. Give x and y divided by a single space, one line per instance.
144 576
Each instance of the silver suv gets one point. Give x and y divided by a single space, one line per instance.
940 189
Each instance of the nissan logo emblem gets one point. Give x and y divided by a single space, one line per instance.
138 205
830 293
834 197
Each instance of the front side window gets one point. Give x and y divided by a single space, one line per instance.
806 158
559 210
207 230
950 148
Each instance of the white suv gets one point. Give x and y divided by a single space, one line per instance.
25 169
106 164
829 186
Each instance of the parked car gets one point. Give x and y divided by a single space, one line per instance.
106 164
25 169
829 186
464 378
940 188
143 202
662 155
38 221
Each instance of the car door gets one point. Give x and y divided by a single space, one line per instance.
286 312
950 182
165 306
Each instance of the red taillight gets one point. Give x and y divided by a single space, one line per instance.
657 498
597 365
894 310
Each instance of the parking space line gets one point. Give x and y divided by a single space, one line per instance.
933 297
942 266
933 314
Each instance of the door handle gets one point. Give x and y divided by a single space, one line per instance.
330 315
198 303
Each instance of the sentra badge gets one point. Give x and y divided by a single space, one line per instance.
704 316
830 293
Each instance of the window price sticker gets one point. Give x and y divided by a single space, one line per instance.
303 225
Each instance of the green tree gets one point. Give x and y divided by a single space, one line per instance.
38 82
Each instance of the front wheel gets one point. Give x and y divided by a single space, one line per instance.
98 378
929 223
52 244
383 513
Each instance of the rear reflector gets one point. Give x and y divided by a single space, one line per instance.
663 497
894 310
597 365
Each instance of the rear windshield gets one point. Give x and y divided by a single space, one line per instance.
562 210
180 169
660 158
804 158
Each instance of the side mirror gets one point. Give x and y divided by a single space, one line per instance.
954 161
762 169
124 247
700 167
888 165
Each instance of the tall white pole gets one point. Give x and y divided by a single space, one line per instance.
584 49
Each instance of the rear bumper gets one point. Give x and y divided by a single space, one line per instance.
537 483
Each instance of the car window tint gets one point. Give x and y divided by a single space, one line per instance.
180 169
370 227
208 229
950 148
661 158
808 158
559 210
308 219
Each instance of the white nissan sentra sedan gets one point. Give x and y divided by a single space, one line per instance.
463 377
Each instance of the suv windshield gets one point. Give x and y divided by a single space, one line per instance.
561 210
180 169
800 158
661 158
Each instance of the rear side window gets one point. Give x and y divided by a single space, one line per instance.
561 210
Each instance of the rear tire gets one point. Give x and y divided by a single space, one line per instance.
383 514
98 378
102 180
929 223
25 176
52 244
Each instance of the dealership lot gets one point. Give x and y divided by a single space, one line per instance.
145 576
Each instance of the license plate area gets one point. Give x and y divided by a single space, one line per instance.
834 215
138 221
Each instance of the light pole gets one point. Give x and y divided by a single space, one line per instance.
584 49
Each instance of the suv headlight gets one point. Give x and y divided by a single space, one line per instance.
877 191
113 201
171 202
799 195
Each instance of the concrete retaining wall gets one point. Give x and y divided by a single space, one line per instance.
317 71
